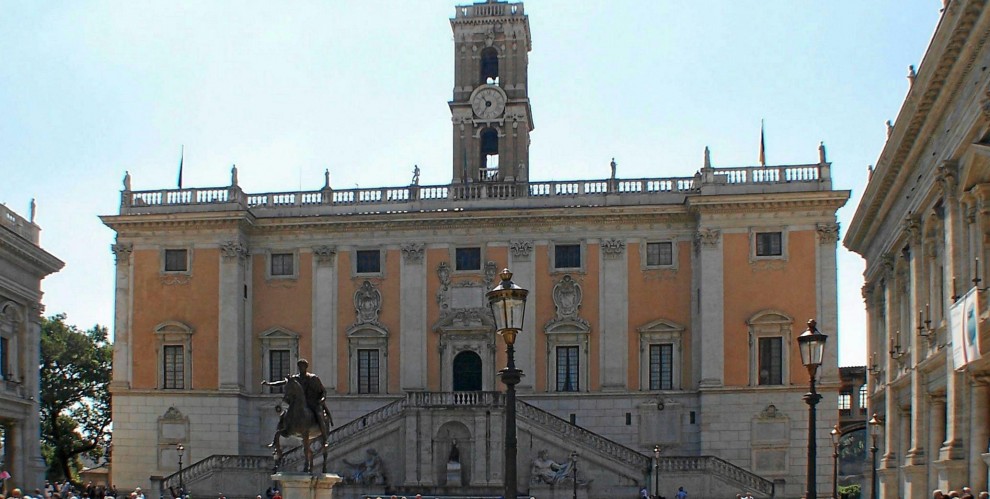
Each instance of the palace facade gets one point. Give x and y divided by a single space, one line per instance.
923 227
23 264
661 310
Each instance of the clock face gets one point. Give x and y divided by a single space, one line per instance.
488 102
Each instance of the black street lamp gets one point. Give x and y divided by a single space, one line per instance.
508 304
656 471
835 461
876 429
812 346
574 456
180 449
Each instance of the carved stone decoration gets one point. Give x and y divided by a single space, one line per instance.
828 233
770 412
491 269
947 179
613 248
521 249
367 304
443 294
443 273
122 252
912 225
567 298
707 237
767 265
233 249
175 279
325 254
887 265
413 252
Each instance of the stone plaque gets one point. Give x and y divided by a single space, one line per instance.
466 297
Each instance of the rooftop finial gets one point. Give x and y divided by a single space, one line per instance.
612 165
415 177
821 153
869 172
326 178
33 210
127 180
911 74
890 128
708 157
233 176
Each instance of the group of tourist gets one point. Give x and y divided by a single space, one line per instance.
967 493
681 494
65 490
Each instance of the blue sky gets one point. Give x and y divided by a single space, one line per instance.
90 89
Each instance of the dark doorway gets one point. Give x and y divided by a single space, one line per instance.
467 372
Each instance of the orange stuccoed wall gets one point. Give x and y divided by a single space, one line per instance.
283 303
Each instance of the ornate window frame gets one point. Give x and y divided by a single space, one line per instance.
770 323
643 258
174 333
784 243
382 254
189 260
481 259
467 330
568 333
582 247
367 336
278 338
658 332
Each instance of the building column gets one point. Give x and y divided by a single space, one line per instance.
916 453
614 314
952 448
122 316
936 433
710 334
979 431
827 298
891 411
523 267
30 430
325 316
412 318
231 344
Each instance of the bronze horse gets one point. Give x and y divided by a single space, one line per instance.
299 421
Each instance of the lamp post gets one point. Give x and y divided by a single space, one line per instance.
574 456
656 471
508 304
876 428
180 449
812 345
835 461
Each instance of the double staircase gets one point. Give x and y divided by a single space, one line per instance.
611 467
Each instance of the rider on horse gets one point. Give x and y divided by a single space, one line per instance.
316 396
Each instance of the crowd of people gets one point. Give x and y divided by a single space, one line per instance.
66 490
967 493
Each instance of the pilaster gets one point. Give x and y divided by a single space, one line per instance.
231 344
614 313
523 267
915 481
827 297
412 318
979 430
889 483
30 434
122 316
325 315
711 331
955 416
916 453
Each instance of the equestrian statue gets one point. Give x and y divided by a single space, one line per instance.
306 415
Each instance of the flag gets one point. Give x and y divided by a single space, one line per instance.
763 149
964 324
182 156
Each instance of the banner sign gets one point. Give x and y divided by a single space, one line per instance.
963 322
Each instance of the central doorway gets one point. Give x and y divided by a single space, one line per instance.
467 372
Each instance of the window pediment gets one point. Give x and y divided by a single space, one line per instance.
277 333
9 312
367 331
770 317
172 328
661 327
568 326
470 319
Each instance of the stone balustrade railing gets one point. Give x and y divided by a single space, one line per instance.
452 399
717 467
18 224
562 428
459 196
215 463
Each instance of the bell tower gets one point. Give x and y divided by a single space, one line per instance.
490 111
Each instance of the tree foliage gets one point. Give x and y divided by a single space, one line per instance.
75 398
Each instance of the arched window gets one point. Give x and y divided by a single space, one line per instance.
467 372
489 154
489 66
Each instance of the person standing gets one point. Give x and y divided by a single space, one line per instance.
681 494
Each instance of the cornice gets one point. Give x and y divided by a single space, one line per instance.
204 220
915 114
832 200
39 261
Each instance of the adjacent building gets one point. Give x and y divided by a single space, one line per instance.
23 264
923 227
661 310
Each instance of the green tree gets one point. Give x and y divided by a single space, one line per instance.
75 399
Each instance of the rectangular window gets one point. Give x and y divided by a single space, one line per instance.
282 264
771 361
278 368
369 261
659 254
367 370
174 367
661 367
567 369
769 244
863 399
4 358
467 258
176 260
845 401
567 256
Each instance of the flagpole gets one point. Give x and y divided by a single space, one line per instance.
182 157
763 149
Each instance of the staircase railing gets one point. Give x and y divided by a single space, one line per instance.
570 431
718 467
375 417
212 464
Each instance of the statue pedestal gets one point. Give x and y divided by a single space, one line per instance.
306 486
454 474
